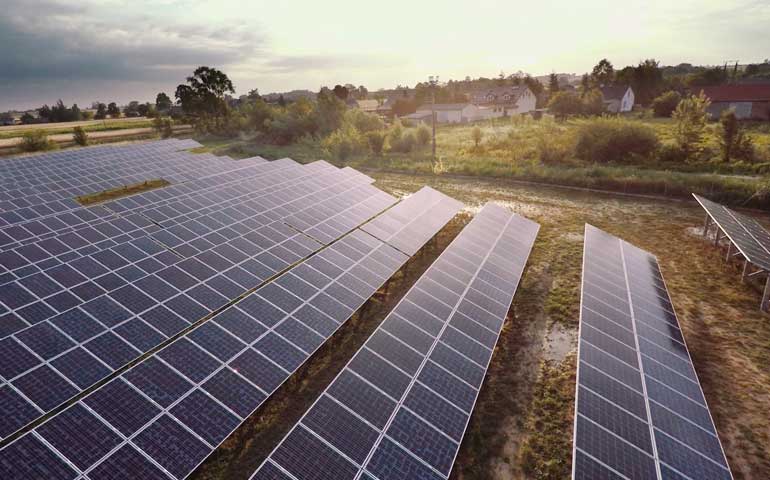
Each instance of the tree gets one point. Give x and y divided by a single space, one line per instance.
331 110
665 104
707 77
376 141
162 102
603 73
203 95
254 95
564 104
690 118
112 110
341 92
281 101
423 135
132 109
101 111
553 83
733 141
585 84
28 118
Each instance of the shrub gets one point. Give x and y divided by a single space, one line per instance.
163 125
477 136
403 143
364 122
665 104
671 153
613 139
80 136
563 104
423 135
35 141
376 141
690 117
344 142
733 141
593 103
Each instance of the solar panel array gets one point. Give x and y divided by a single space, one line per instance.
751 239
125 300
399 409
408 229
162 417
640 410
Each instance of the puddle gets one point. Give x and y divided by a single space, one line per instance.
558 343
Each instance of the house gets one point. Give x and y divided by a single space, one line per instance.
449 112
503 101
750 101
369 106
618 98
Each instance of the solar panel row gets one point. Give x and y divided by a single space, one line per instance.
399 409
640 411
408 228
751 239
40 362
169 412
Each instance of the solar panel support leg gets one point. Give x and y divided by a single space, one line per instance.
729 251
706 226
745 273
766 295
716 238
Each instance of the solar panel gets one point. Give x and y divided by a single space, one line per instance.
751 239
640 410
145 311
410 223
399 409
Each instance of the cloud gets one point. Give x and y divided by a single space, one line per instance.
46 42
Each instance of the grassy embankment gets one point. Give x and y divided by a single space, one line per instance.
543 152
90 126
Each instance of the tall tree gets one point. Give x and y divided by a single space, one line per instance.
341 92
101 111
204 93
603 73
553 83
112 110
162 102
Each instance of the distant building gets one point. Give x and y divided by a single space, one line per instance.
447 113
618 99
750 101
502 101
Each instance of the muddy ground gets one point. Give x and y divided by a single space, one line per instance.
522 424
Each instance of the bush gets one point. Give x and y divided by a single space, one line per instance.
401 141
563 104
364 122
664 105
477 136
612 139
593 103
733 141
35 141
671 153
163 125
423 135
80 136
376 141
344 142
690 117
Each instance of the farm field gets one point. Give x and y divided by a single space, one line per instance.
10 131
521 427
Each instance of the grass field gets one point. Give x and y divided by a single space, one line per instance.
522 424
13 131
514 149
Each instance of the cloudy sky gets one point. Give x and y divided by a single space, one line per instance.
113 50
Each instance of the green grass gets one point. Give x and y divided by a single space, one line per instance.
102 127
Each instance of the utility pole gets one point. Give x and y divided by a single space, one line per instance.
433 82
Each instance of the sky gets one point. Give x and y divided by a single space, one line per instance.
112 50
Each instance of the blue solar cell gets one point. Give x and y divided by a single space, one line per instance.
45 340
106 310
79 435
139 334
45 387
216 341
239 324
81 368
173 447
158 381
127 462
28 457
205 416
234 392
111 349
187 308
164 320
77 325
14 358
301 453
340 428
17 412
391 462
189 359
259 370
280 351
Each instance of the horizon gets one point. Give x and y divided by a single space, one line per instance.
114 51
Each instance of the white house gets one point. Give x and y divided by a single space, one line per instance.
618 99
447 113
502 101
